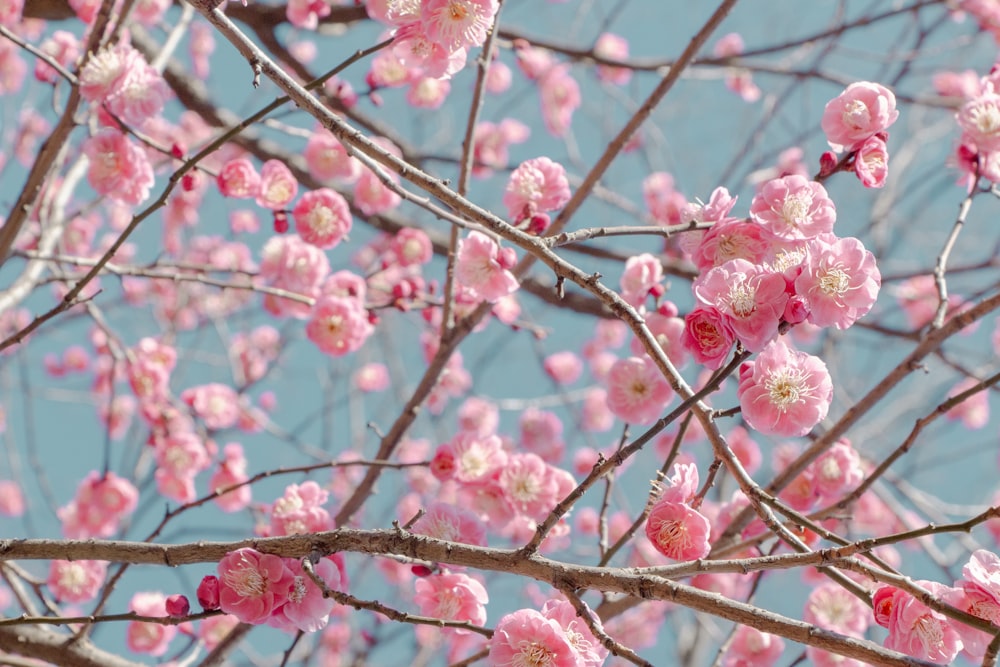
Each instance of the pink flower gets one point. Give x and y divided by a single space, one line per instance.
783 391
177 606
452 597
980 596
277 185
980 120
428 92
413 51
560 97
306 609
451 524
542 433
322 218
536 186
232 471
151 638
291 264
300 510
491 143
253 585
208 592
237 178
864 109
752 299
529 486
412 247
677 531
76 581
372 196
305 14
732 238
664 203
119 77
643 274
838 470
871 164
589 650
475 457
479 416
482 267
456 24
101 501
752 648
708 336
11 498
373 377
327 159
118 168
526 637
338 326
839 281
215 403
832 607
914 628
64 48
974 411
637 391
563 367
612 47
794 207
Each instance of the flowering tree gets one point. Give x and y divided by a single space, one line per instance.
423 354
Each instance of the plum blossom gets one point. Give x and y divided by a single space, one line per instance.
752 648
338 325
914 628
526 637
322 218
678 531
451 524
708 336
637 391
612 47
238 178
483 267
151 638
643 274
456 24
751 298
118 168
839 282
863 110
783 391
589 650
794 207
278 186
536 186
306 609
253 585
300 510
76 581
452 597
871 164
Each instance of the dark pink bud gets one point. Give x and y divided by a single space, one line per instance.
657 290
668 309
280 222
827 163
178 605
507 258
421 570
796 310
208 593
539 223
177 151
373 318
189 181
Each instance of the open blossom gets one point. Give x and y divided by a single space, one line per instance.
252 585
832 607
151 638
456 24
536 186
871 164
529 485
612 47
664 203
526 637
708 336
643 274
119 77
637 391
238 178
76 581
784 391
300 510
101 501
560 97
338 326
118 168
979 118
306 609
589 650
863 110
914 628
751 298
794 207
839 281
277 185
752 648
322 218
482 266
451 524
215 403
980 596
732 238
678 531
452 597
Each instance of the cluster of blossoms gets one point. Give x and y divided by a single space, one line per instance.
978 153
855 122
927 634
556 635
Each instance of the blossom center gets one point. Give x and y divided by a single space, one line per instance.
795 209
834 282
856 115
531 654
742 299
785 388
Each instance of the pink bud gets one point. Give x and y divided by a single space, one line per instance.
178 605
507 258
208 593
827 163
539 223
421 570
280 222
796 310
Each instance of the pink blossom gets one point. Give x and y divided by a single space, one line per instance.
101 501
491 143
277 185
428 92
208 592
120 78
373 377
452 597
300 510
11 498
215 403
482 266
200 47
597 416
327 159
612 47
784 391
637 391
64 48
838 470
76 581
732 238
451 524
372 196
305 14
322 218
560 97
475 457
542 434
979 118
479 416
151 638
832 607
914 628
974 411
238 178
415 51
871 164
664 203
411 247
338 326
794 207
708 336
643 274
306 609
980 596
118 168
563 367
253 585
177 606
752 299
498 77
745 448
752 648
864 109
526 637
12 67
529 486
589 650
231 471
682 484
536 186
839 281
456 24
677 531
